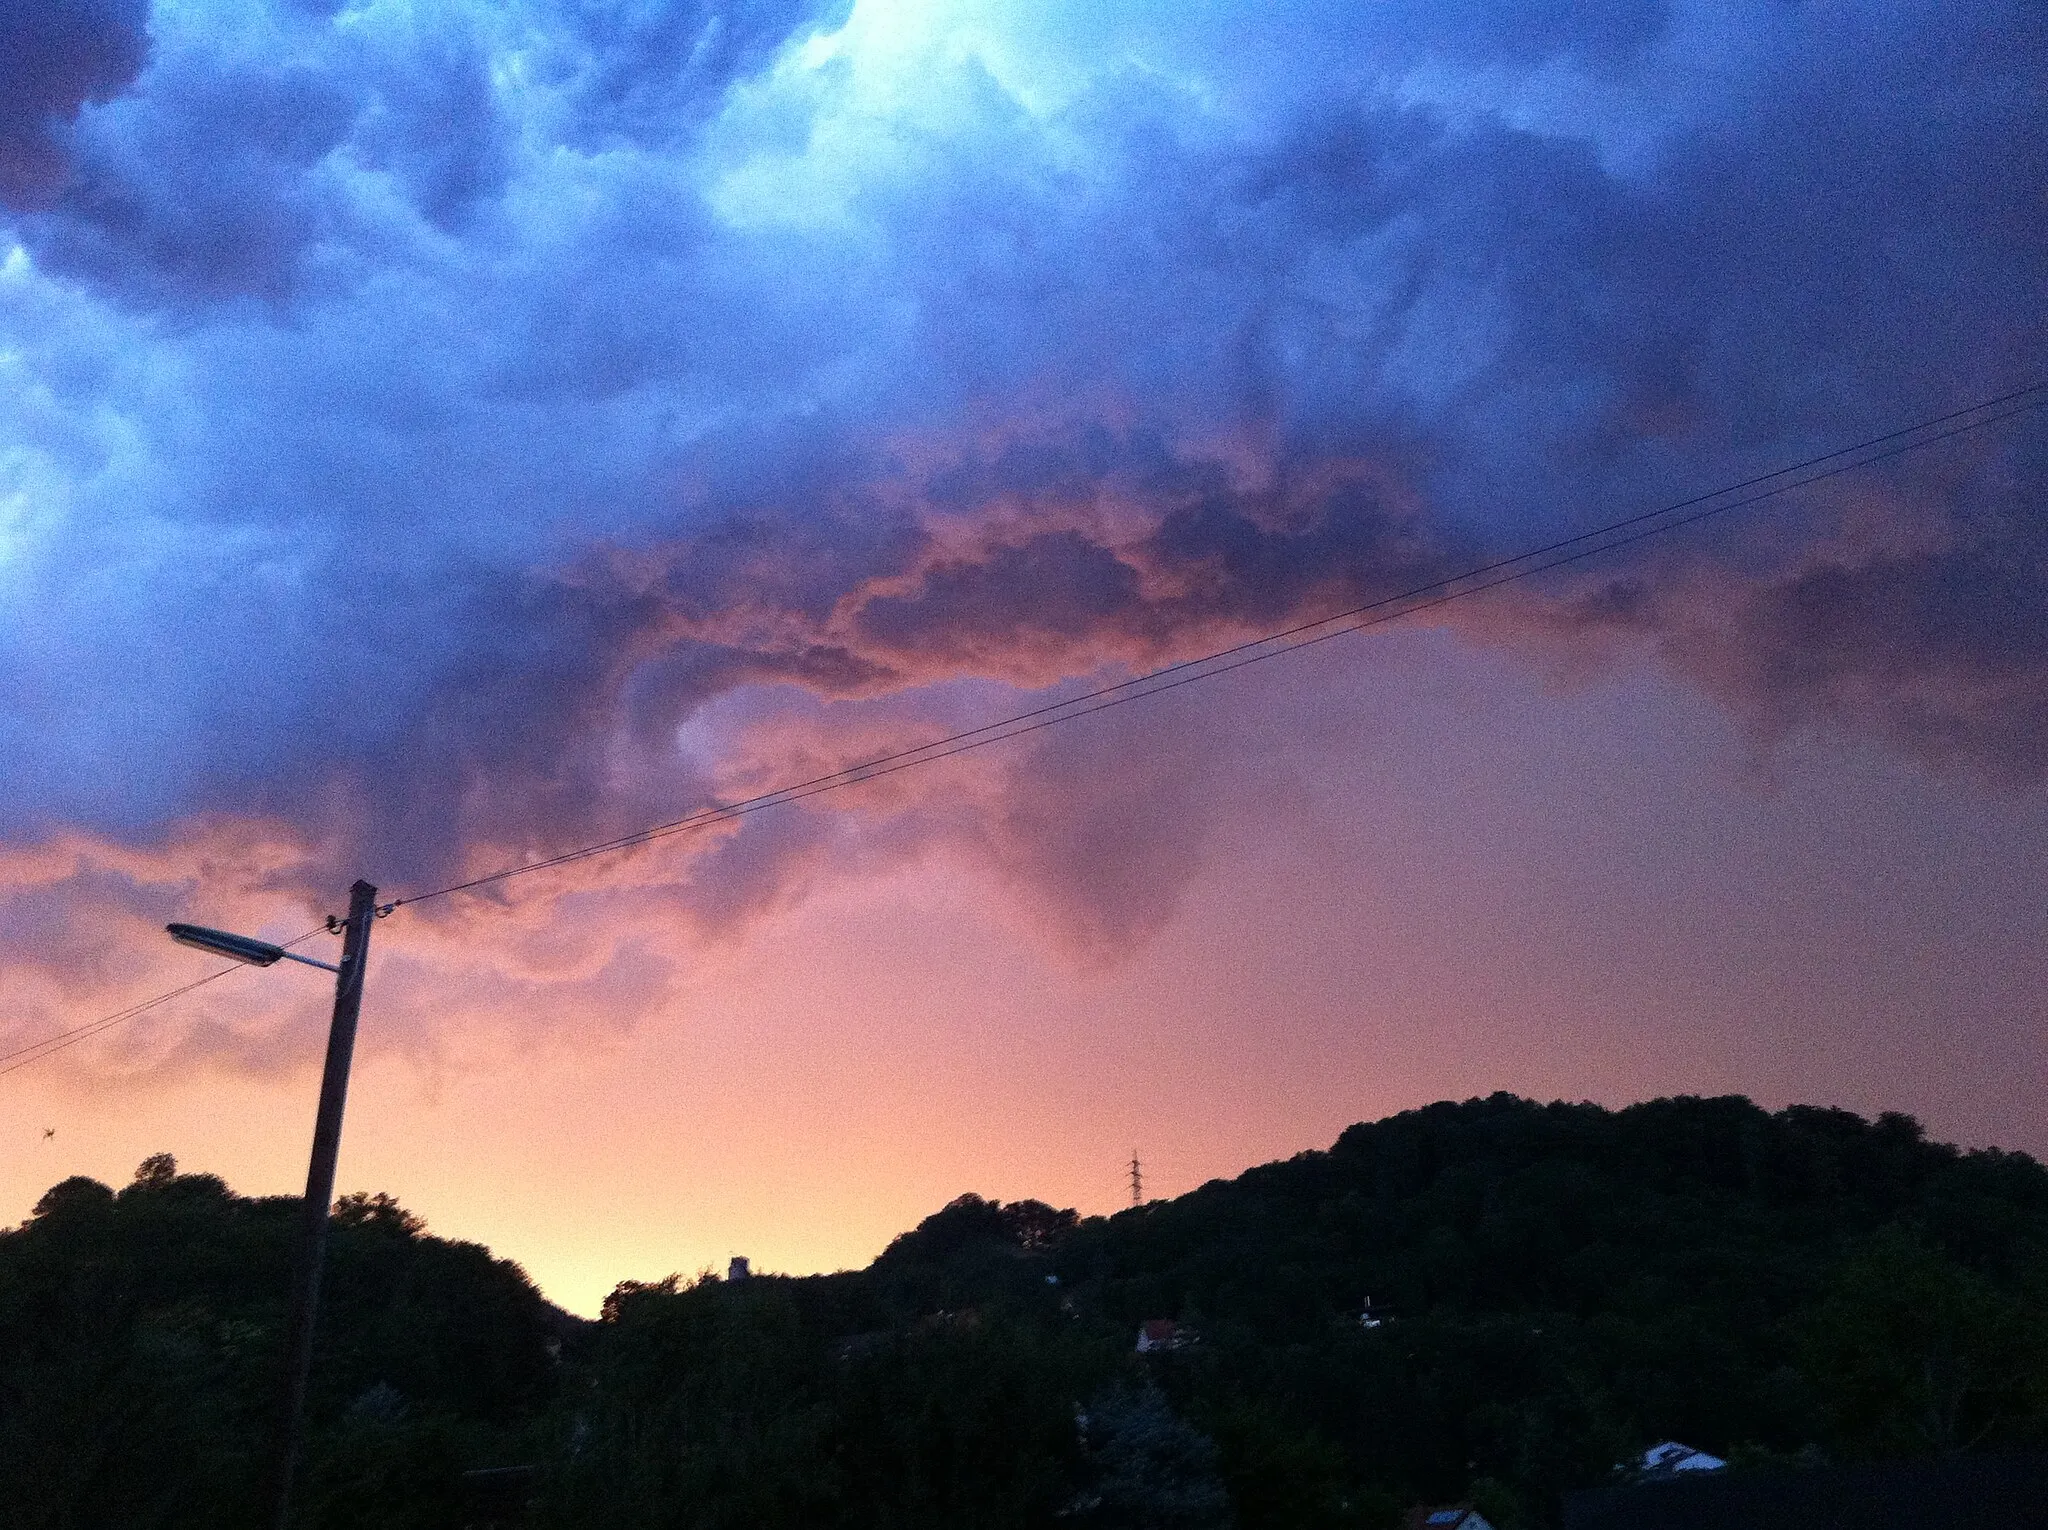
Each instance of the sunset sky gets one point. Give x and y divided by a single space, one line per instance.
436 434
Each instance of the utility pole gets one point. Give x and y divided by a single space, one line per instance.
312 1249
1137 1181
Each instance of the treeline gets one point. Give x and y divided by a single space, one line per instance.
140 1360
1552 1288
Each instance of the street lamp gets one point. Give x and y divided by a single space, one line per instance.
312 1247
257 953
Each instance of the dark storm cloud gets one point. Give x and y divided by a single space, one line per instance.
431 120
1946 655
211 187
617 359
1940 648
56 55
237 171
648 71
1217 560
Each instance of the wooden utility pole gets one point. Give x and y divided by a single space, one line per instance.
312 1249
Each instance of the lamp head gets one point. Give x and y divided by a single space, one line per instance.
257 953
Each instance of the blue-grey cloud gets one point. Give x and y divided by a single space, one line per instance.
55 56
647 72
416 414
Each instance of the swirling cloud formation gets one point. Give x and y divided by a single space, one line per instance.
436 432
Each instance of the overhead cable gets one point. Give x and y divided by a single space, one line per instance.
36 1051
1422 597
1564 551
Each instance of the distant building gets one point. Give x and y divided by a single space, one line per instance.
1674 1457
1460 1516
739 1269
1160 1333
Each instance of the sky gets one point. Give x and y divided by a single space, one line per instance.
435 434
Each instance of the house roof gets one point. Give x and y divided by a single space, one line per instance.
1674 1457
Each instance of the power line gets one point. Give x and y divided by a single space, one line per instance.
1422 597
21 1057
63 1039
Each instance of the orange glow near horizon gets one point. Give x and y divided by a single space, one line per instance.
1416 879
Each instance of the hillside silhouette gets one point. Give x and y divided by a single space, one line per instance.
1494 1301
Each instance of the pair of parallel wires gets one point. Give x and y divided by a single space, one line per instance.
1435 593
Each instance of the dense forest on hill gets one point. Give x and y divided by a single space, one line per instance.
1551 1287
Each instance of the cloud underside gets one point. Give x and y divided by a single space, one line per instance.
436 435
